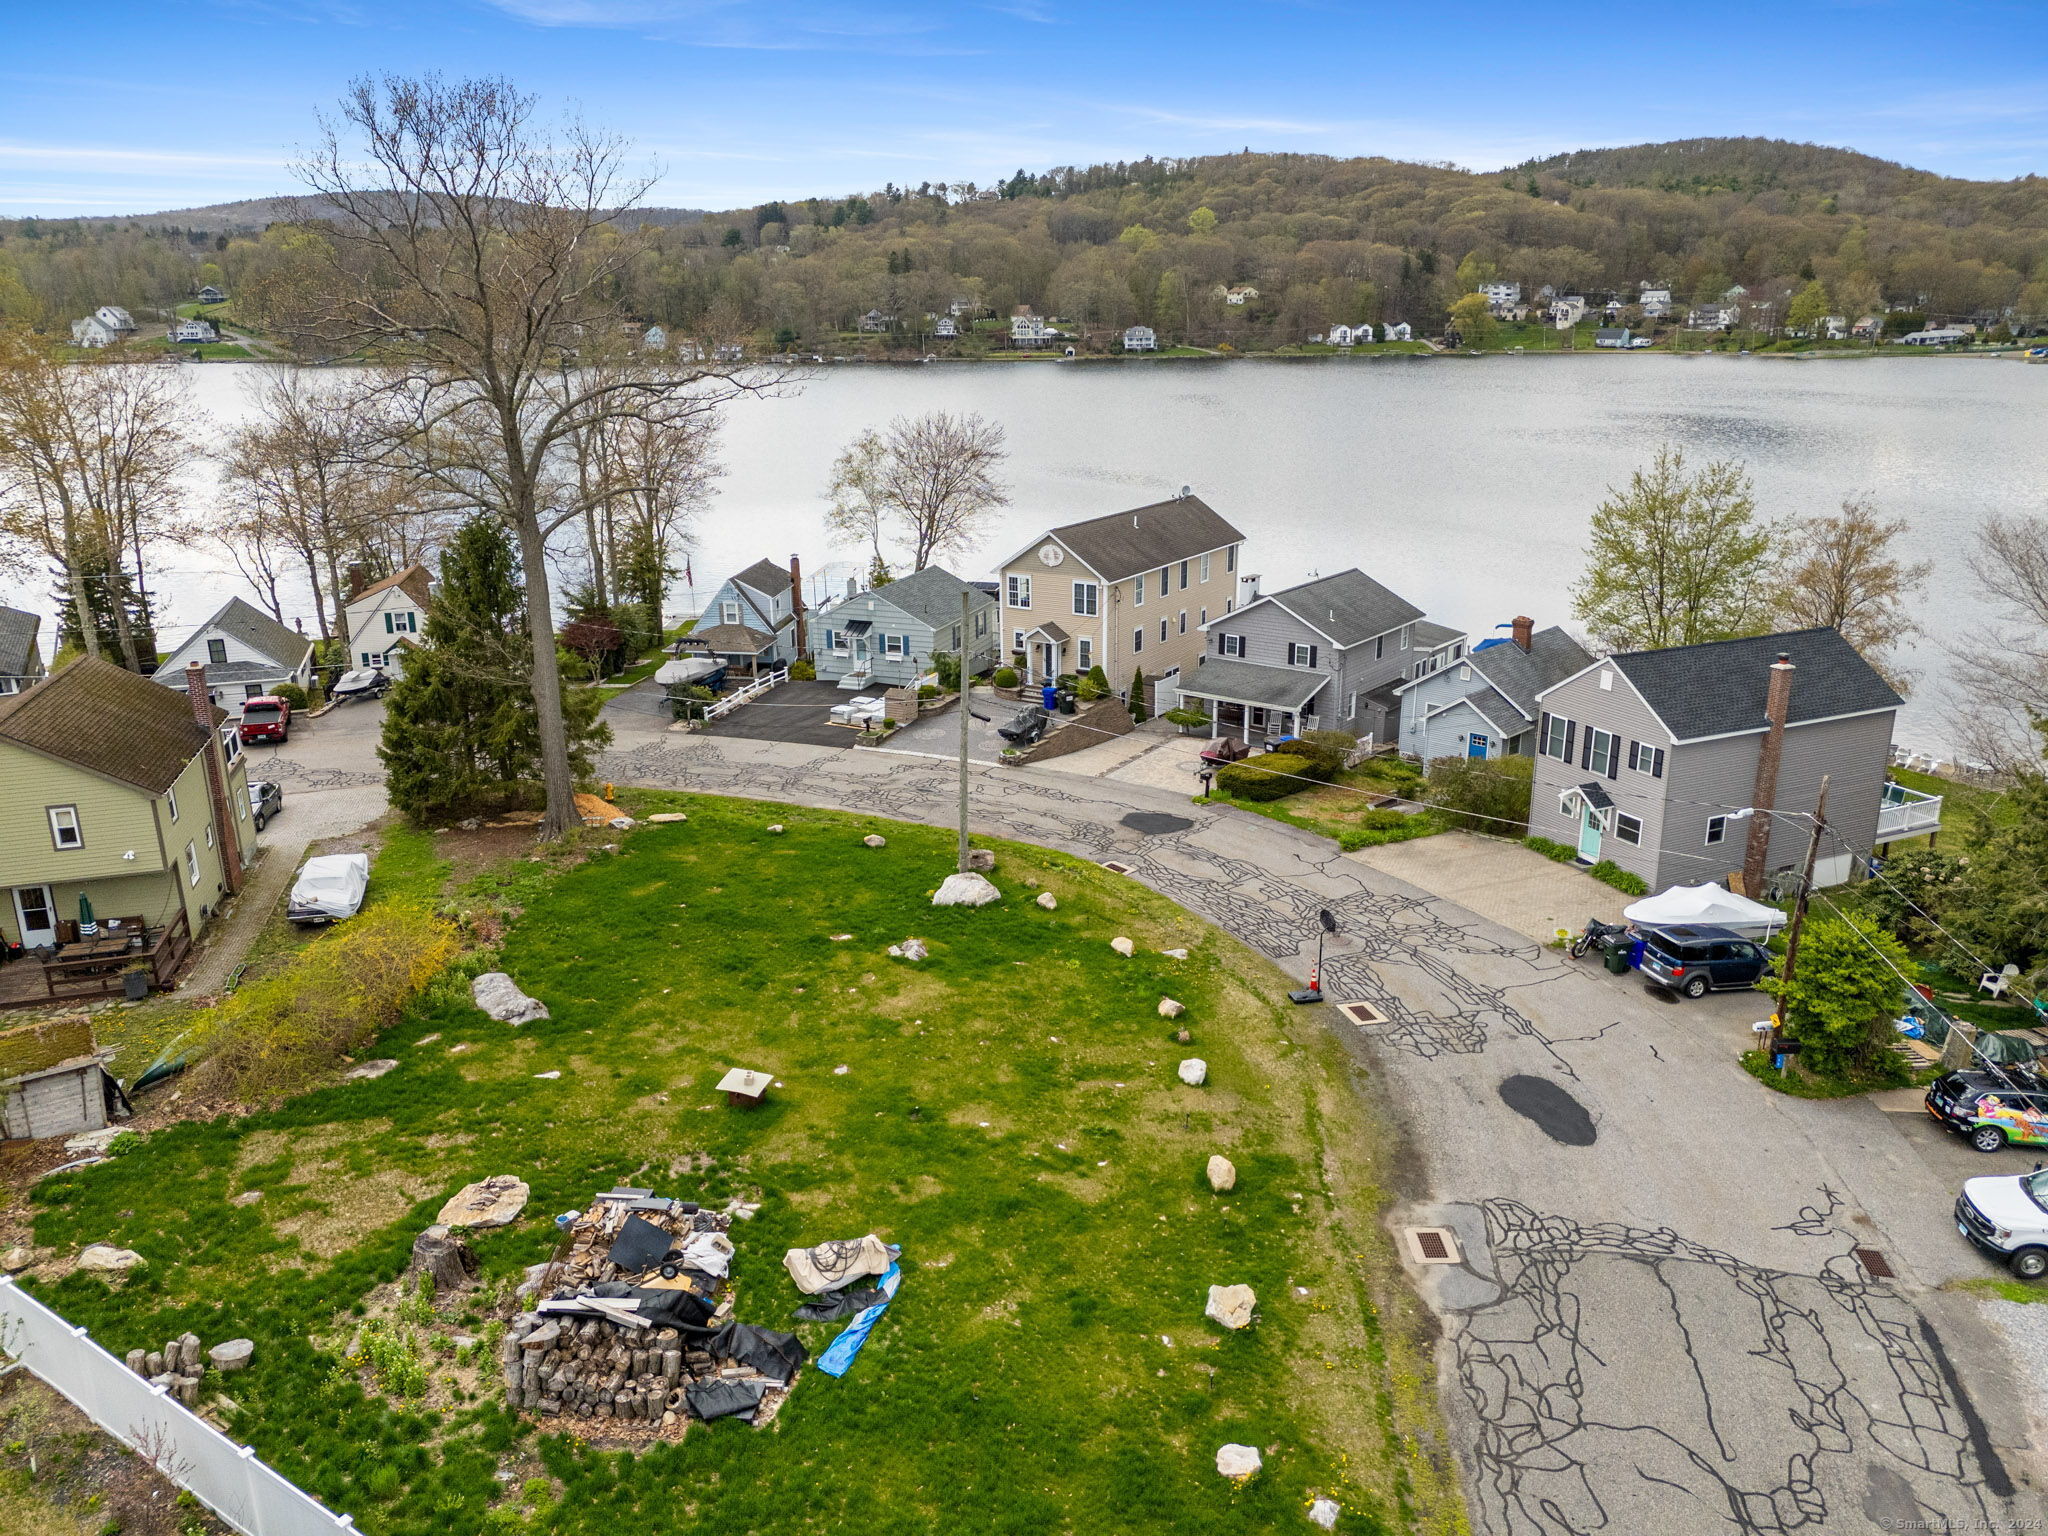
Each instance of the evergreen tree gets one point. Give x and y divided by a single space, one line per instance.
1138 695
108 584
460 733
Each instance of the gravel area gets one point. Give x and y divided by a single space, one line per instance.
2024 1327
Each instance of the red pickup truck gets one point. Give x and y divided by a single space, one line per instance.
267 718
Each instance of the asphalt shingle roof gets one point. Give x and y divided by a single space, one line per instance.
260 632
1144 538
1348 607
1721 688
765 577
17 641
109 721
414 578
729 639
1520 675
931 596
1497 708
1247 682
1429 634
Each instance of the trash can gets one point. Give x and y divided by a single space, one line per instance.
1066 701
1617 959
1050 697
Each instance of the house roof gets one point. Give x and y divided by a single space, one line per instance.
110 722
18 630
1348 607
1719 689
1052 632
730 639
1520 675
1497 711
414 578
1429 634
259 631
765 577
218 672
1247 682
931 596
1123 543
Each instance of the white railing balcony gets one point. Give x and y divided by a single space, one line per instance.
1907 813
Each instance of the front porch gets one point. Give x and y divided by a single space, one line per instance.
1258 704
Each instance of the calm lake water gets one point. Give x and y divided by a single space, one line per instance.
1465 485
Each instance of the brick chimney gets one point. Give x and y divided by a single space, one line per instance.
796 603
1525 630
216 777
1764 798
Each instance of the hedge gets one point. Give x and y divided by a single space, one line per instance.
1271 777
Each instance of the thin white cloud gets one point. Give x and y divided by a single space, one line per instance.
124 156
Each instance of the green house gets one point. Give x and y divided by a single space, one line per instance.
117 792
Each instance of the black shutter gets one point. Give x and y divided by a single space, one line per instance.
1635 749
1571 731
1543 734
1586 749
1657 763
1311 657
1614 757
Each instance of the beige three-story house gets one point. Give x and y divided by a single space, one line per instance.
1128 592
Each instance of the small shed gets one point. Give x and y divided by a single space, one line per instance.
743 1089
51 1081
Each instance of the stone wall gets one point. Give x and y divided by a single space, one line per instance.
1102 719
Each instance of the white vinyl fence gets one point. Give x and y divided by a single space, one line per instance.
746 695
225 1477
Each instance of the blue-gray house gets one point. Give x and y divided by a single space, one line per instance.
887 637
1483 703
750 622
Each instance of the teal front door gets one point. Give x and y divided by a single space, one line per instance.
1589 833
1475 745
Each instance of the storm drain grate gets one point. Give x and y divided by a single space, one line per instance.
1115 868
1875 1262
1361 1014
1433 1245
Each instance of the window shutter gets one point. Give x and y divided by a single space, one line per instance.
1634 748
1311 657
1614 759
389 627
1571 732
1657 763
1543 733
1586 749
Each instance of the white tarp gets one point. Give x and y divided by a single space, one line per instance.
1708 905
332 885
689 669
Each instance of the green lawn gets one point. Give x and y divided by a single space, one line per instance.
1009 1114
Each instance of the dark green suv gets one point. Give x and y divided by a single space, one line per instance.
1693 960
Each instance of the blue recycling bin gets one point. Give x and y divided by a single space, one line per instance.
1051 697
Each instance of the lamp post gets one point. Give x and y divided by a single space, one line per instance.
1313 992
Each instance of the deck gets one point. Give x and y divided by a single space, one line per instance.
89 970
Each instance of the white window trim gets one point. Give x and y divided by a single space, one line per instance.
1205 568
1299 655
1087 599
1621 822
1138 590
1084 652
1594 762
1717 831
171 800
64 818
728 612
1017 590
191 863
1562 727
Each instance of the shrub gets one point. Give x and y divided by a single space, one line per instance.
1610 873
1271 777
1482 794
1330 748
1006 677
947 665
275 1035
1384 821
1100 679
803 671
1087 690
1187 719
1138 697
1840 1002
1550 850
293 695
928 691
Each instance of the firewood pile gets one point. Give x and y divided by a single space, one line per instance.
632 1320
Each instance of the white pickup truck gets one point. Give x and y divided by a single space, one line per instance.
2008 1219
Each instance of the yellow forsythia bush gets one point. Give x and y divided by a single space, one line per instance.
278 1034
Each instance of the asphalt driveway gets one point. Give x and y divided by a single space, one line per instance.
793 712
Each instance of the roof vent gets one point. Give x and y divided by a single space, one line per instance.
1186 491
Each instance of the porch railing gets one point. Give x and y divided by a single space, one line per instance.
1907 813
746 695
101 975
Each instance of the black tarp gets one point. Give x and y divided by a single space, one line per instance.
662 1308
640 1245
835 1304
716 1399
773 1354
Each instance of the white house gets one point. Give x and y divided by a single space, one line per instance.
194 330
1568 310
1713 317
103 327
656 339
1347 336
1656 303
1936 336
875 321
1028 329
1398 331
246 654
964 307
1238 294
1141 338
1501 296
945 328
385 618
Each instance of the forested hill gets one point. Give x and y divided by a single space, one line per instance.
1321 240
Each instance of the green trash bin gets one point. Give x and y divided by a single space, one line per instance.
1617 959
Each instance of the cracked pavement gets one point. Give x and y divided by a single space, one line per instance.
1664 1331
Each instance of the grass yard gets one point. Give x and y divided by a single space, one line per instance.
1009 1113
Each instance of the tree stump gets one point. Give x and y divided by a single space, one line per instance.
444 1257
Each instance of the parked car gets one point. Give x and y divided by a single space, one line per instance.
268 718
265 801
363 683
2007 1218
1990 1110
1693 960
328 889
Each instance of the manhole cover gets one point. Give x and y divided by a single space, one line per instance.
1556 1113
1115 868
1433 1245
1361 1014
1152 823
1876 1263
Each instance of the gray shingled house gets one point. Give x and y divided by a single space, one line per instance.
1326 655
246 654
1648 758
887 637
1483 703
21 658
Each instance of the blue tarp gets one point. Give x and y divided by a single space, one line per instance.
838 1356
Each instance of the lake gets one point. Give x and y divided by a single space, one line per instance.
1463 484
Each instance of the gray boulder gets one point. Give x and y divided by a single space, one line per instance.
1194 1071
1231 1305
1222 1174
1238 1462
105 1258
966 890
499 996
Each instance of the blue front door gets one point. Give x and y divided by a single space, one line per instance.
1475 745
1589 833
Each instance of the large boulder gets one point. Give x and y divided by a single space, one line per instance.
1171 1009
966 890
499 996
1222 1174
1123 946
493 1202
1047 900
1238 1462
1231 1305
1194 1071
875 840
106 1259
1324 1512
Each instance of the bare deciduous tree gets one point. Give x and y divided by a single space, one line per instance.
471 251
928 482
855 491
2002 667
1840 573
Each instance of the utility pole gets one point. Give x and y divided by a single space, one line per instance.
1820 822
966 601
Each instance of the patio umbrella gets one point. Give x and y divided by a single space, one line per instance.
88 925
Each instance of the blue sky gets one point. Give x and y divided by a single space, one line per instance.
121 107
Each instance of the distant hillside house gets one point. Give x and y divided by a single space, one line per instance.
1501 297
195 331
1713 317
874 320
1936 336
944 328
1656 303
246 654
384 620
1241 293
211 295
1398 331
104 327
728 352
1141 338
1028 329
655 340
1348 336
21 657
